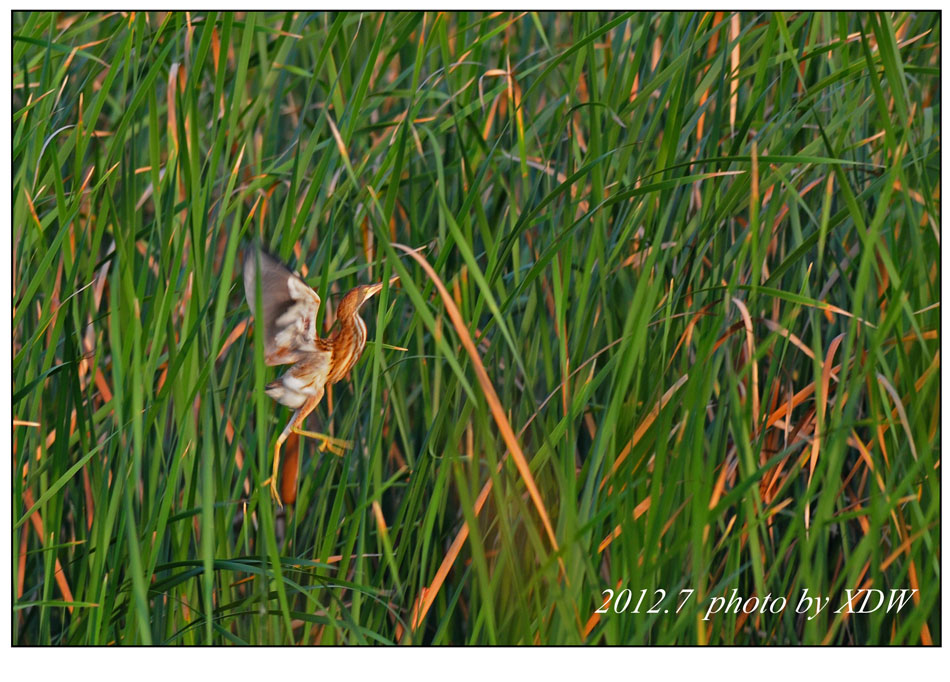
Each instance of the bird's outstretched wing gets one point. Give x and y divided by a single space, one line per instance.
288 306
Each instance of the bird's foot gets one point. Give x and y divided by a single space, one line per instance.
272 483
330 444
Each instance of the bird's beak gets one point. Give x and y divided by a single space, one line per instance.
374 289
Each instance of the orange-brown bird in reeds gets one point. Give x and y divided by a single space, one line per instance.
289 316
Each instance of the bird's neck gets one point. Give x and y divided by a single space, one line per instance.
347 342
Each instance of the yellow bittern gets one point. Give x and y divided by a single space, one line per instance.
289 317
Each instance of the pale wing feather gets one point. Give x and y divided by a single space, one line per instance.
288 306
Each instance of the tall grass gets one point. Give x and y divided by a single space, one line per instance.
676 326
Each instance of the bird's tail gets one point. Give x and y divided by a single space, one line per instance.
281 394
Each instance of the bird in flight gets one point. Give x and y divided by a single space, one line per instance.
289 318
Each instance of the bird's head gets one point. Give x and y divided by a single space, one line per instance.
356 297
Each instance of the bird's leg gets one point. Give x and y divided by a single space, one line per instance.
292 425
334 445
272 480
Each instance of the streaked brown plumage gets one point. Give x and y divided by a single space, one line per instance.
289 314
